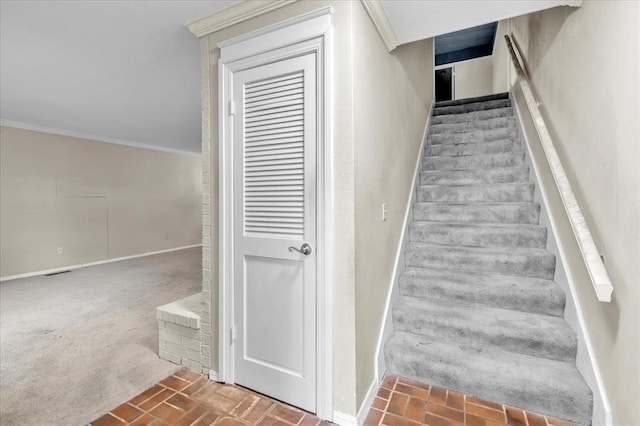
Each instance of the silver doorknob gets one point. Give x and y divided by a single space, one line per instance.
304 249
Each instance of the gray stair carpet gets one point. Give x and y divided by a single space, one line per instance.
478 310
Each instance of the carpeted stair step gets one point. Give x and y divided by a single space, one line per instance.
523 262
473 106
474 136
525 294
492 147
474 176
537 384
488 124
473 116
478 212
492 97
481 326
487 193
478 161
478 235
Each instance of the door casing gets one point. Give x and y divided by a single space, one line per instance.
308 33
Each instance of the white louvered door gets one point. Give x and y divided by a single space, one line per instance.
274 193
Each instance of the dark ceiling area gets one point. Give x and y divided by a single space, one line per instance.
465 44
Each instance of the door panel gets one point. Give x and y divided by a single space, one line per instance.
274 134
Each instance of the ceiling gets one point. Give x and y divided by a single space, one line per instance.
129 71
465 44
119 71
419 19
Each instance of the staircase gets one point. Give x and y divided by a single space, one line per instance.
478 310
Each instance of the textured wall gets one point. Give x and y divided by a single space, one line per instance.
584 65
392 95
96 200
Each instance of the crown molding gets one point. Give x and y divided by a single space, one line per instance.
234 14
95 138
380 20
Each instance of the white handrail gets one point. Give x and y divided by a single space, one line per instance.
599 276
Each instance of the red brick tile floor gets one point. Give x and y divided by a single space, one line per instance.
187 398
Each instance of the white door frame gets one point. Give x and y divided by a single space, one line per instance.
308 33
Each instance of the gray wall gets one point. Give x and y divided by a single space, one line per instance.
96 200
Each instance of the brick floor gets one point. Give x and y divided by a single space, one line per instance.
404 402
187 398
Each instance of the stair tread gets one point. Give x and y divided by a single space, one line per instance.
528 294
512 330
483 250
479 185
542 385
473 115
492 97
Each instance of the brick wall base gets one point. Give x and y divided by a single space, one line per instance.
180 335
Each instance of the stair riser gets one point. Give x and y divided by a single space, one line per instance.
470 194
441 328
472 116
490 124
522 265
529 237
473 162
544 299
479 106
475 136
493 147
474 177
477 213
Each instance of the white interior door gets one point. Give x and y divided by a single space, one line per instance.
274 187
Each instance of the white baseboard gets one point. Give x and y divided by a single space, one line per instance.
213 375
387 322
343 419
99 262
368 401
585 357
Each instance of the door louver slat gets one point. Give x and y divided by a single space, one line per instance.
274 156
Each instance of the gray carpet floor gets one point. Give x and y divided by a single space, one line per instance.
75 345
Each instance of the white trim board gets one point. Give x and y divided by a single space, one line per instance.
99 262
93 138
380 20
368 401
343 419
213 375
311 32
387 322
233 15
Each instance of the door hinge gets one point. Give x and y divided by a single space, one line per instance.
232 107
233 334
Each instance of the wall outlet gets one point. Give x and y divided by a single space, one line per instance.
60 250
384 211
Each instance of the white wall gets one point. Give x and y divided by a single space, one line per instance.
392 95
584 66
473 77
96 200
